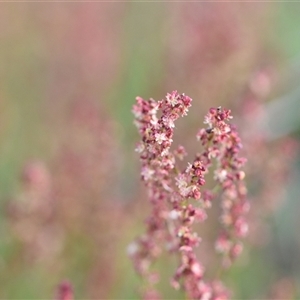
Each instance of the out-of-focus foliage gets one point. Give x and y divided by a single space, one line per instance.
71 200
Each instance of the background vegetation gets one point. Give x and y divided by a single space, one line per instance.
71 200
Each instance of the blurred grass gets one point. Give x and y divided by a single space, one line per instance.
286 28
143 66
141 73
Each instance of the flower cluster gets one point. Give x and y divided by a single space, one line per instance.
65 291
67 200
177 197
269 172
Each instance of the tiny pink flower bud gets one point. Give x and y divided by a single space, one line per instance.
160 137
227 204
172 98
195 193
236 250
226 219
174 214
181 232
65 291
180 152
223 244
147 173
201 181
241 227
186 249
200 215
206 296
240 175
197 269
220 175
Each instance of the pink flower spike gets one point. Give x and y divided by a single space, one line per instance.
177 197
65 291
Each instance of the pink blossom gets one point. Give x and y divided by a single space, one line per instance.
65 291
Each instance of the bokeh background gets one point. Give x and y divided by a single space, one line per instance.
71 199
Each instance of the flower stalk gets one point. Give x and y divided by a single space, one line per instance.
178 198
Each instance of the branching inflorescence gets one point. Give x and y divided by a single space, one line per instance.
178 198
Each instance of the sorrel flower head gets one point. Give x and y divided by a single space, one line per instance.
67 200
65 291
178 199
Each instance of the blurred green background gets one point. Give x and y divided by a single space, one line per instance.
71 200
